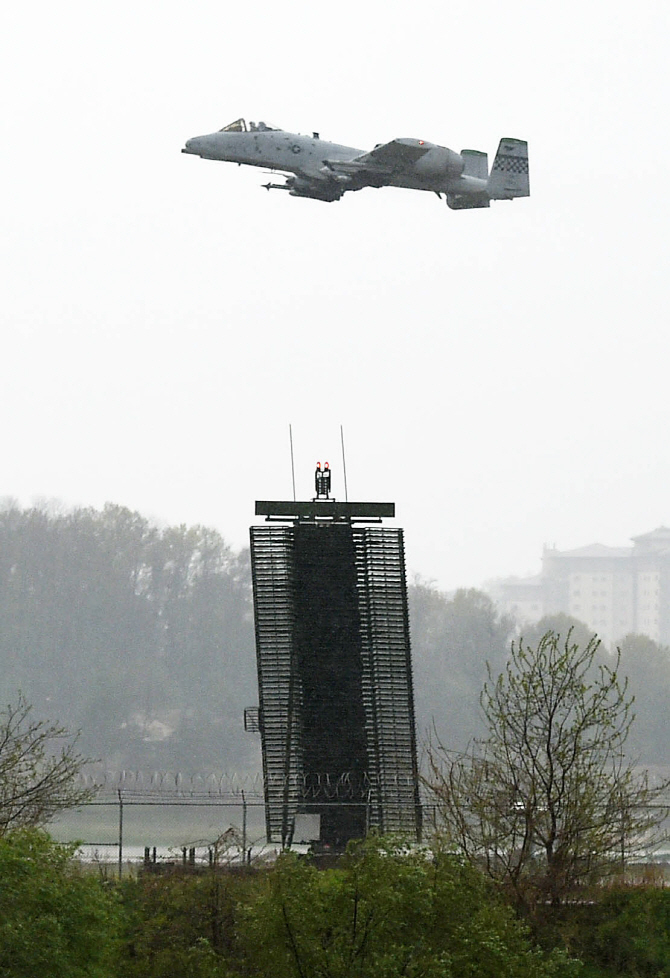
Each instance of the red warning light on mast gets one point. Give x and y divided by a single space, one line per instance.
322 481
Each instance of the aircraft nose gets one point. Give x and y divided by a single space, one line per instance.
208 147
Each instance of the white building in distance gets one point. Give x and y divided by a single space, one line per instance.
615 591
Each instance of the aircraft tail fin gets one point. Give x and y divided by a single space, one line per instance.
475 164
509 173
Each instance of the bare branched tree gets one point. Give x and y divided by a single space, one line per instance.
39 769
548 801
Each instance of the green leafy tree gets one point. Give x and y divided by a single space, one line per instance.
180 925
387 912
547 801
627 932
647 665
562 625
54 920
453 637
39 769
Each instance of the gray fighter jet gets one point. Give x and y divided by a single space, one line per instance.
326 171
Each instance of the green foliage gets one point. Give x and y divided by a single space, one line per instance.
624 932
387 912
180 925
54 921
630 934
547 801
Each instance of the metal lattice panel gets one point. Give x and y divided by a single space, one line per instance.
387 680
278 680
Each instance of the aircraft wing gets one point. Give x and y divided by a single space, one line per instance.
396 155
377 166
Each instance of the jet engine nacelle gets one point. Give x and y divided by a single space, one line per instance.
439 162
304 188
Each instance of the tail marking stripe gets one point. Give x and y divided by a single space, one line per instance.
510 164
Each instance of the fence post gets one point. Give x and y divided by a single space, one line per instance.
244 826
120 833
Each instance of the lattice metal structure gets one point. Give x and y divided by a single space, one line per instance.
278 681
336 709
387 679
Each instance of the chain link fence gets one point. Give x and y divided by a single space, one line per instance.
163 818
168 817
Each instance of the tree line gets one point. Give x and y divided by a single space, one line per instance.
142 638
384 912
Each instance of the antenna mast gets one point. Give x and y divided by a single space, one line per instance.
290 435
344 466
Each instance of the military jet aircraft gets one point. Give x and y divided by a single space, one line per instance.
326 171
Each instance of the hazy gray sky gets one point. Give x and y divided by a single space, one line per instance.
501 374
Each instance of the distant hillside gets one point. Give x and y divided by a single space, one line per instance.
140 637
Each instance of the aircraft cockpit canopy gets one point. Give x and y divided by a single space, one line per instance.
241 126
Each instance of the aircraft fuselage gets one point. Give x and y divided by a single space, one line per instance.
315 168
437 169
275 150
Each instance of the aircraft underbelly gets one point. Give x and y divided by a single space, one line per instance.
437 185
